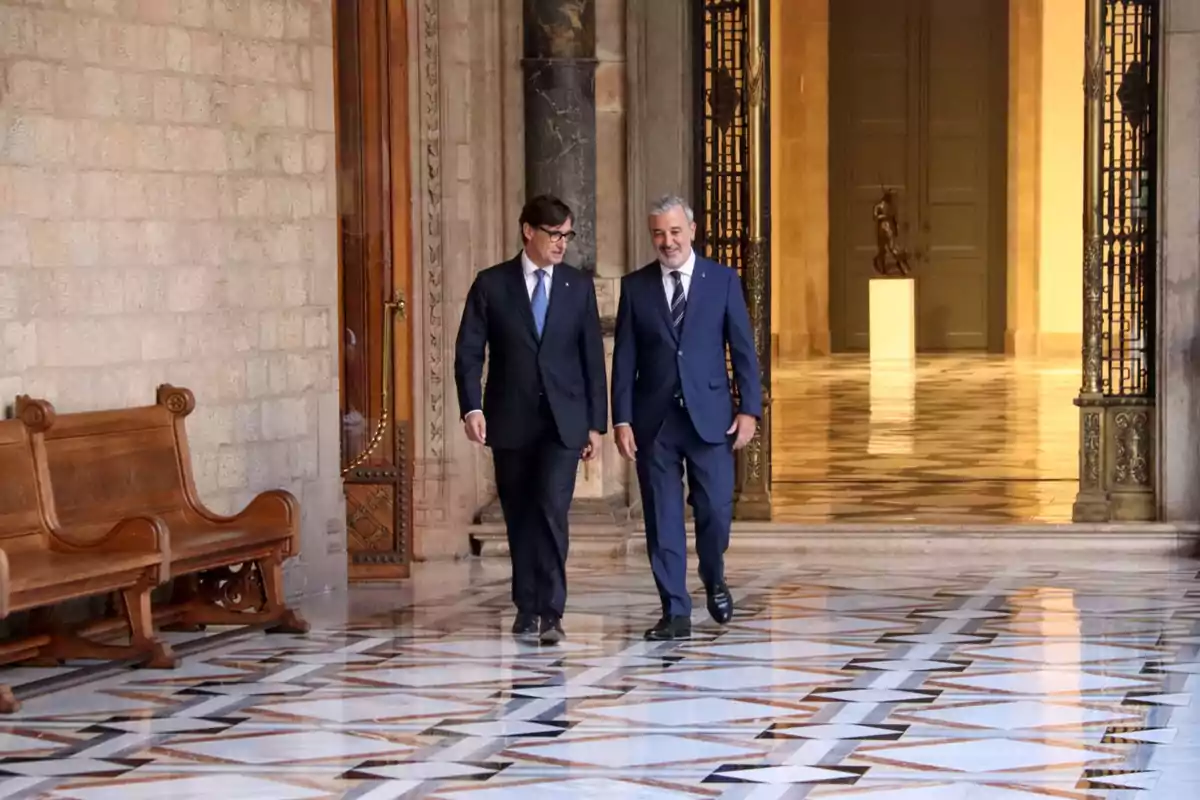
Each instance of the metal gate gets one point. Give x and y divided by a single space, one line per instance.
733 191
1116 400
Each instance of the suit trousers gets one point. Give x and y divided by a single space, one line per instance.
536 484
710 478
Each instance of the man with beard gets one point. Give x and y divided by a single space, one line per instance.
545 405
672 405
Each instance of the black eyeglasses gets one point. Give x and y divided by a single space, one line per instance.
558 236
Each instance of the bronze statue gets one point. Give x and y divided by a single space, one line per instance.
887 236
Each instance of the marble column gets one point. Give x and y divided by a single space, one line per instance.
563 48
1179 343
560 112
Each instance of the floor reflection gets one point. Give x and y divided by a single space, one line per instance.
876 679
949 439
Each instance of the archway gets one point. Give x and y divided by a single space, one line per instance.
1115 442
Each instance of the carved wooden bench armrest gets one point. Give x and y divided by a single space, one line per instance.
141 534
275 510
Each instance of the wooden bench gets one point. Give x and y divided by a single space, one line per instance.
43 563
228 570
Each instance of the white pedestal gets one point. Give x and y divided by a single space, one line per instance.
893 310
893 366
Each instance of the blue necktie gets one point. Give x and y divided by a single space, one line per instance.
540 301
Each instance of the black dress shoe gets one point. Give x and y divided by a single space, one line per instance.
525 626
669 628
551 631
720 603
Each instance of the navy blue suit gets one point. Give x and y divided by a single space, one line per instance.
673 388
543 396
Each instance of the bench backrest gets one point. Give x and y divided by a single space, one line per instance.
25 511
107 465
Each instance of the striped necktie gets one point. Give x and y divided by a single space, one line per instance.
678 302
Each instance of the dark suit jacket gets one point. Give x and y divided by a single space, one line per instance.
650 361
567 365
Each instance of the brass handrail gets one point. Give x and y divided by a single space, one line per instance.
393 308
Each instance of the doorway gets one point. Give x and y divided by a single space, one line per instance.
374 209
1057 299
918 104
944 103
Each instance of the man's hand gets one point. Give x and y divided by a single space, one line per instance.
476 427
591 450
742 429
626 446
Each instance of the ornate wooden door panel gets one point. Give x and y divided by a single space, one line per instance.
917 104
373 200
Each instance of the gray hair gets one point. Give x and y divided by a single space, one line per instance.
668 201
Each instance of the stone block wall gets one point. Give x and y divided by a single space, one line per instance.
167 214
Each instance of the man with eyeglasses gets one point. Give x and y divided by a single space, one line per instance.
535 321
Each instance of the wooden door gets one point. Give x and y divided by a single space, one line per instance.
373 203
918 101
873 105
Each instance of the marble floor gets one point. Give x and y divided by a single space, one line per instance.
877 679
952 439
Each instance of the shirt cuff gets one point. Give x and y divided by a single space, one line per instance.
472 411
620 425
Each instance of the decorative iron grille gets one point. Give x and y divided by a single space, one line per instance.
1128 195
722 146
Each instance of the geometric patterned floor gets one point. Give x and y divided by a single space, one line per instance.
885 679
951 439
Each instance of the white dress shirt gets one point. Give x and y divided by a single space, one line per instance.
685 274
530 284
531 278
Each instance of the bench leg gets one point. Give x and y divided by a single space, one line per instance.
65 643
141 630
271 569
